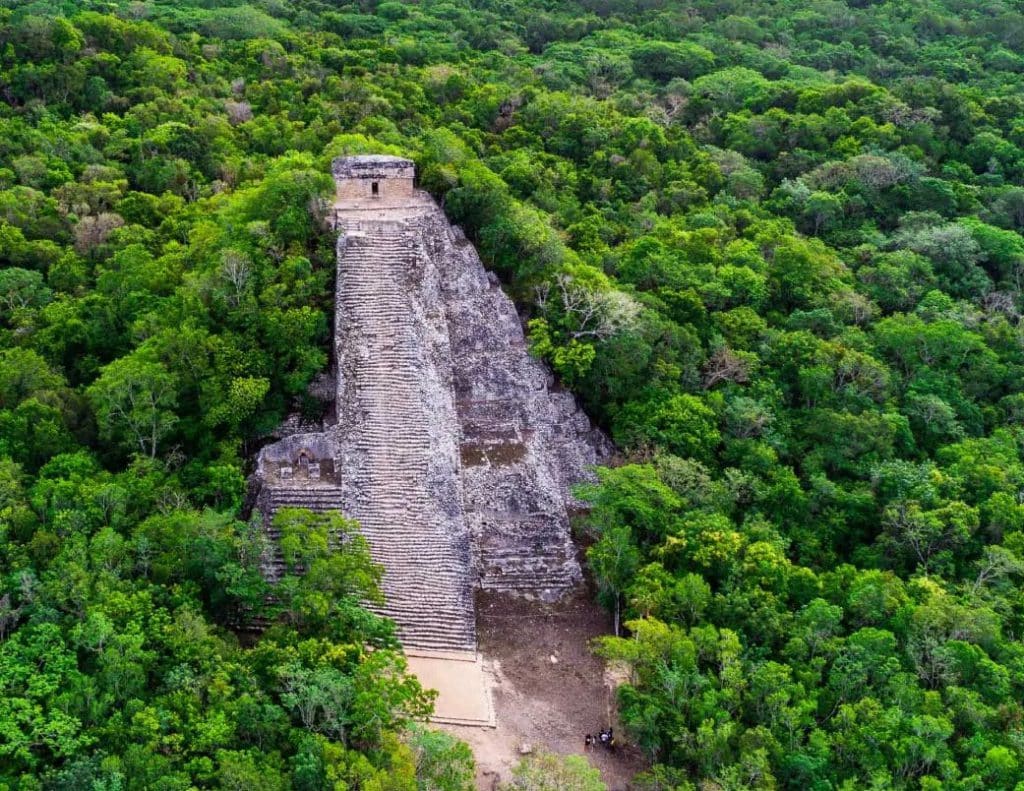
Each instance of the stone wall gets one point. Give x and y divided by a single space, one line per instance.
356 176
389 190
524 444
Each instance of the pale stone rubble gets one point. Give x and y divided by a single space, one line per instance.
450 447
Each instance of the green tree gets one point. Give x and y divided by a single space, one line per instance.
549 772
681 424
443 763
614 560
134 398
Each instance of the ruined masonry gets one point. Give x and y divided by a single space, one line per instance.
447 443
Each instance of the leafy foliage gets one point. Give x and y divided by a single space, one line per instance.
775 249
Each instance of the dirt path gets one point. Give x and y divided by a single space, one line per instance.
549 690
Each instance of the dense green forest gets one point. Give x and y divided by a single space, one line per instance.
776 249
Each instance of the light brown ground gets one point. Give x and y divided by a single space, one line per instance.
463 686
548 705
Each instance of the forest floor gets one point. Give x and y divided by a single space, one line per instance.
548 689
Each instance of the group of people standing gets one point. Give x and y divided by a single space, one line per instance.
604 738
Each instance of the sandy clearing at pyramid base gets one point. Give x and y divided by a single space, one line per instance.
543 704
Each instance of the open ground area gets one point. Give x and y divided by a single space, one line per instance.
548 689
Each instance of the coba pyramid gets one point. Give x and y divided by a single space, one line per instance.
448 443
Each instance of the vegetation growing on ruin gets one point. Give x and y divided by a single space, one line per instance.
775 248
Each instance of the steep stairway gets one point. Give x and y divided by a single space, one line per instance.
390 444
313 498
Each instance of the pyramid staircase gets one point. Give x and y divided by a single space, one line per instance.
424 550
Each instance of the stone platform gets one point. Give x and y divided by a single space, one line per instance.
463 684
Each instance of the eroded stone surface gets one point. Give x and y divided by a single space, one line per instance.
450 446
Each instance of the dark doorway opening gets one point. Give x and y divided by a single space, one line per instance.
375 189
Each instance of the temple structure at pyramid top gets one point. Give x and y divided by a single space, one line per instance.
374 177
